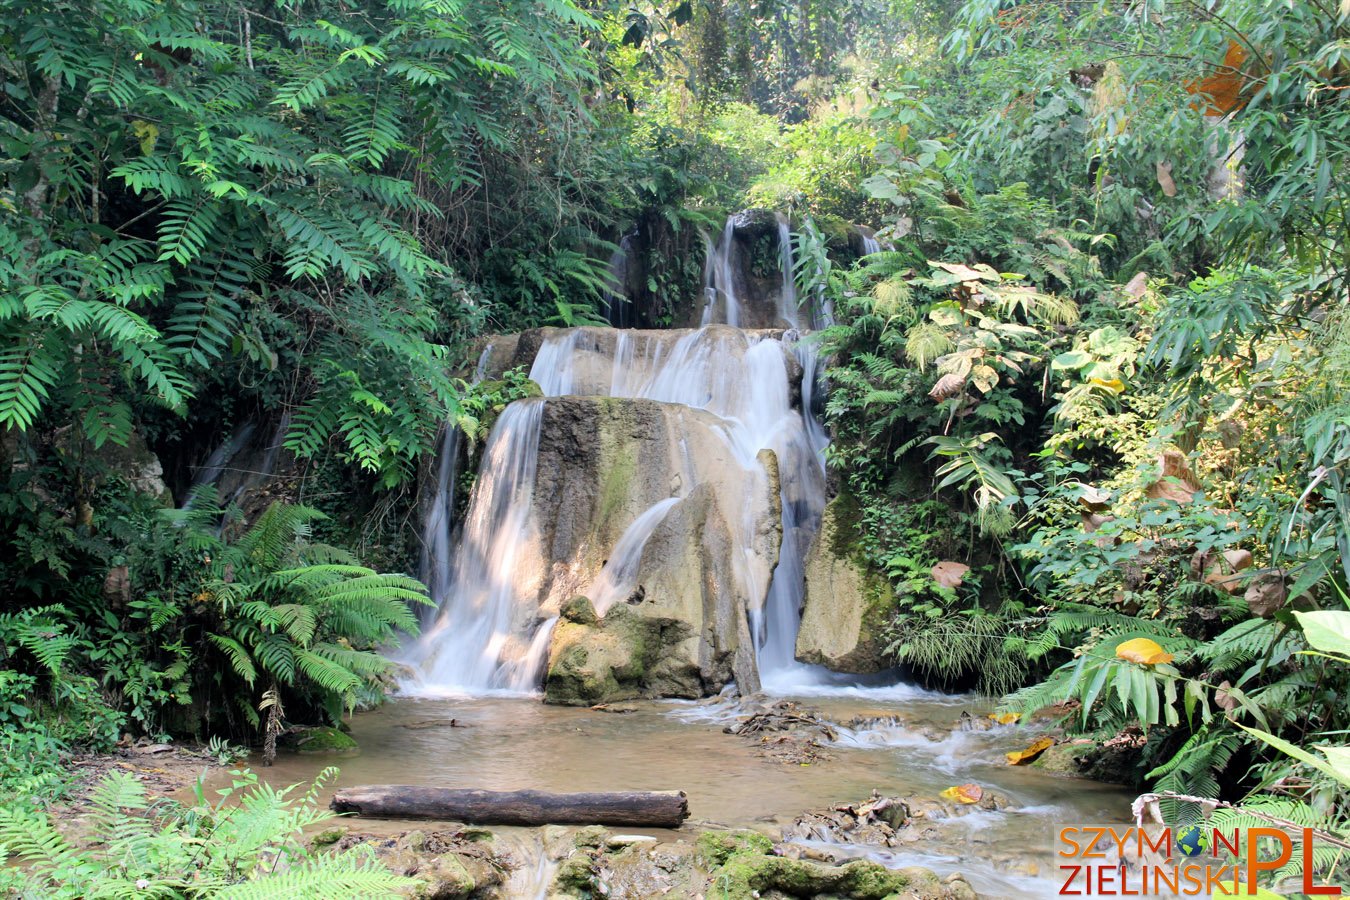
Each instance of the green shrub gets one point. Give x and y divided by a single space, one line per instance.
246 844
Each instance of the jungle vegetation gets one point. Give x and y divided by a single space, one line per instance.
1104 359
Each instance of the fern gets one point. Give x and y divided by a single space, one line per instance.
1193 770
229 849
302 615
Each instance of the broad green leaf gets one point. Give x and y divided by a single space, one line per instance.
1326 630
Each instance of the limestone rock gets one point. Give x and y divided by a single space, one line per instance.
613 659
136 464
677 625
837 629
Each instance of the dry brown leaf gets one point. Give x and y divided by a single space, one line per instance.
1224 87
949 574
1164 173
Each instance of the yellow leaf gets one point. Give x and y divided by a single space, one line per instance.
147 133
1022 757
1114 385
1005 718
1143 651
963 793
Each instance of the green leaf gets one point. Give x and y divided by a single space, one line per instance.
1338 770
1326 630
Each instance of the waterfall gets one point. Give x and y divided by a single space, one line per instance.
619 309
492 628
438 522
473 645
787 295
719 280
616 580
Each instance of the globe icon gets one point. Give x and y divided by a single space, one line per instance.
1191 840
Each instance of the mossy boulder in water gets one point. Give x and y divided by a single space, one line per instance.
599 660
321 740
841 622
742 867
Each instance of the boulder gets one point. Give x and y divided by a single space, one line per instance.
323 739
741 869
839 628
616 659
670 614
139 466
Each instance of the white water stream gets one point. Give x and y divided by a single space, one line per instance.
486 637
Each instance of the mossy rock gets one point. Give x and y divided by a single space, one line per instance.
579 610
329 837
741 866
575 877
445 878
610 660
716 847
323 740
1065 759
747 875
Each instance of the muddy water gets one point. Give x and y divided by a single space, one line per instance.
503 744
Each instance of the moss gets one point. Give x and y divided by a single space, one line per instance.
716 847
747 875
576 876
324 740
618 463
445 878
1065 759
843 524
742 868
591 837
579 610
329 837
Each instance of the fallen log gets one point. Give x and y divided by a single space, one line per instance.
655 809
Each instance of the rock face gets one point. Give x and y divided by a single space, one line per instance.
667 615
838 630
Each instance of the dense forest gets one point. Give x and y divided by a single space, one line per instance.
1100 364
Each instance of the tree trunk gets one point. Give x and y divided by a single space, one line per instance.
655 809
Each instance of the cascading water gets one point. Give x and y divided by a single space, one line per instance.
619 310
719 280
491 631
472 646
787 294
438 519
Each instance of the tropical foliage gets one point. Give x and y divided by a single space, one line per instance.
1100 361
247 843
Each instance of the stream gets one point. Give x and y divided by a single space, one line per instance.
505 743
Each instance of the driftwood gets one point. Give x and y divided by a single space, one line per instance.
656 809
